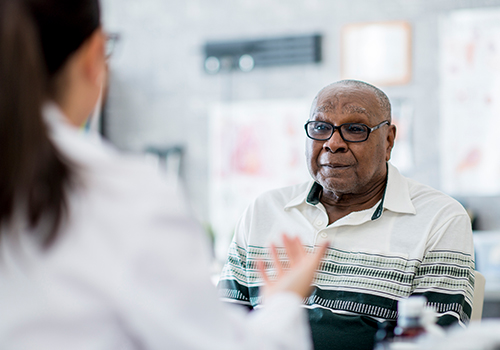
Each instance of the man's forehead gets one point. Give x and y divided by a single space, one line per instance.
343 99
334 107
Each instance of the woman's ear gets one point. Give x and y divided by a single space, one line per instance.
93 59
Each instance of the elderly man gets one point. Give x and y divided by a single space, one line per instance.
390 237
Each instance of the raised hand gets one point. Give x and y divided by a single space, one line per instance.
298 278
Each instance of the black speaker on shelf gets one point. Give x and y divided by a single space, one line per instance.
245 55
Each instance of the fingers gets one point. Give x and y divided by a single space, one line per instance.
322 249
299 277
297 255
291 249
319 253
294 249
276 260
262 270
310 262
301 252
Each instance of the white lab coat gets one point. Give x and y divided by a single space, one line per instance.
130 270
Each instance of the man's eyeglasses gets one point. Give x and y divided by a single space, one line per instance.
111 40
350 132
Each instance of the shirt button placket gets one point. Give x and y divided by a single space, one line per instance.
320 225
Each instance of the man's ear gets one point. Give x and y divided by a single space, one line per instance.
93 58
391 136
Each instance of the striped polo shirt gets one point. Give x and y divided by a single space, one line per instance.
414 241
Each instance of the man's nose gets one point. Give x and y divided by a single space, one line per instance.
336 143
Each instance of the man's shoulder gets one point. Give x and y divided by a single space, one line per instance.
426 197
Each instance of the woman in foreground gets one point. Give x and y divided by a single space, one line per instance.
96 252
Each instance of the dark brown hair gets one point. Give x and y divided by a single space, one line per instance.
36 39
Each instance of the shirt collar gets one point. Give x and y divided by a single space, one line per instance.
313 191
52 114
396 196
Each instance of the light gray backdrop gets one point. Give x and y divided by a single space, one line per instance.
160 94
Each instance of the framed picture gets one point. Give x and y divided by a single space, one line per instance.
241 165
377 52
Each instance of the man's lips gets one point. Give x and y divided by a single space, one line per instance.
335 165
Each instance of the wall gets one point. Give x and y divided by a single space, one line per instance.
160 95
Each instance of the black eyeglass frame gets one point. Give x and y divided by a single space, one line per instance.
369 130
111 41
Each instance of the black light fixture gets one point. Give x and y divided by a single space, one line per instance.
245 55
